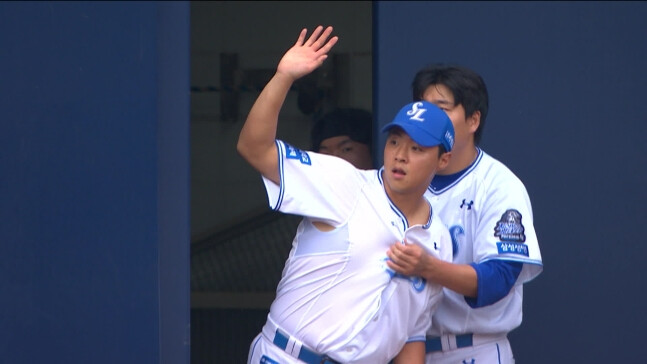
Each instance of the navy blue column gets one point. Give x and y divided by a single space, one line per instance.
94 182
173 107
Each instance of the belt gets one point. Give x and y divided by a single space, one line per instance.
304 354
450 342
435 343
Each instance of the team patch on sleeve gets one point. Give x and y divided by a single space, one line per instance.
510 228
512 248
296 153
267 360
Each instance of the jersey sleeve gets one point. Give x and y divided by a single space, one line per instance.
506 230
314 185
423 323
495 279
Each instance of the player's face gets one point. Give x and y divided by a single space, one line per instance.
464 127
358 154
409 167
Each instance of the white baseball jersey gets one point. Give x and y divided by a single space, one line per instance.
336 295
489 216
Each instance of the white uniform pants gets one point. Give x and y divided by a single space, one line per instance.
490 352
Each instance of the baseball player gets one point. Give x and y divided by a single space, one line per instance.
489 216
337 301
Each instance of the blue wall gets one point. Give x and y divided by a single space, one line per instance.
94 218
568 115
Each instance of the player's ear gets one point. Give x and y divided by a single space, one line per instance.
473 121
443 161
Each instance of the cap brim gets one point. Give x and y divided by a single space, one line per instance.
417 134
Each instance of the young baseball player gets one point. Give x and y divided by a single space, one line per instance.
488 212
337 302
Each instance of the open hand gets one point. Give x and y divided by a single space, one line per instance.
306 56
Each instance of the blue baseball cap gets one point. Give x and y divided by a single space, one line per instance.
425 123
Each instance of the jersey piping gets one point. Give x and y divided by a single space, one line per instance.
395 209
465 172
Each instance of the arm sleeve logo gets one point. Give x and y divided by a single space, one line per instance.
296 153
510 228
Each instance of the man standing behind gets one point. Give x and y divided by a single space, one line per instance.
488 212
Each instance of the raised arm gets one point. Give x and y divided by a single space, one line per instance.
256 140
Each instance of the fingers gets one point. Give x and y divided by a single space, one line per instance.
405 254
398 262
391 264
322 39
302 36
397 254
314 35
318 40
331 42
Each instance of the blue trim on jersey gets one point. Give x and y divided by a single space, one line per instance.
431 214
495 280
498 352
397 210
379 175
417 338
393 207
251 352
279 149
441 184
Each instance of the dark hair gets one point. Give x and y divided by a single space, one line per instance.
441 150
467 86
356 123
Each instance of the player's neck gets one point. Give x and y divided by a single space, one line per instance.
461 158
415 210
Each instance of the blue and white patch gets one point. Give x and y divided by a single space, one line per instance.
296 153
510 228
512 248
266 360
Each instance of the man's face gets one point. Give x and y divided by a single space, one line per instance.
409 167
358 154
442 97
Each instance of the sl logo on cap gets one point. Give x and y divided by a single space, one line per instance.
417 112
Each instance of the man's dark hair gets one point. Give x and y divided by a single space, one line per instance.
357 124
467 86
